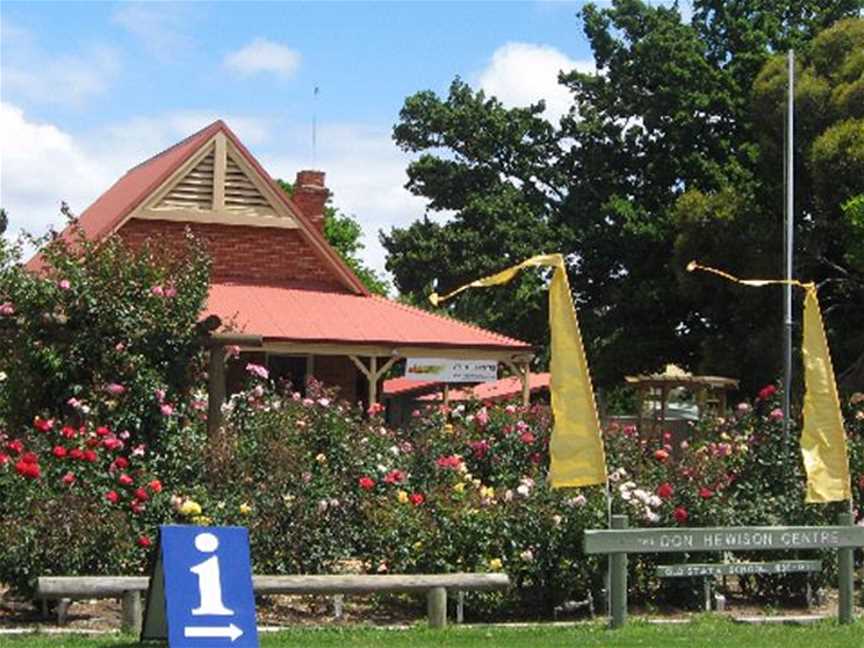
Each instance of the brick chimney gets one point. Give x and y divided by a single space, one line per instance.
310 194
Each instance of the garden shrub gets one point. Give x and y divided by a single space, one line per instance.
88 471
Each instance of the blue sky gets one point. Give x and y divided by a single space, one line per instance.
90 89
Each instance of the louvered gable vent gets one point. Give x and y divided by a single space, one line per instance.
195 190
240 192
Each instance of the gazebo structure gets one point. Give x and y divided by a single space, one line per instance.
709 392
278 290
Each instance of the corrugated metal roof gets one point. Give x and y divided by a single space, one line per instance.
300 314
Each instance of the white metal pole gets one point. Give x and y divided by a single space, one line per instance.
790 221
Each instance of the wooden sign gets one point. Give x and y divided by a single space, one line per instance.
722 539
738 569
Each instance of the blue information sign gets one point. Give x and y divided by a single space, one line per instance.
200 593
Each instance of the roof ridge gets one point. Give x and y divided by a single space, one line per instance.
447 318
176 145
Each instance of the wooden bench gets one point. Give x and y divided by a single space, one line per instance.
65 589
708 571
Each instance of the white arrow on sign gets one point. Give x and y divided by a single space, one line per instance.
210 632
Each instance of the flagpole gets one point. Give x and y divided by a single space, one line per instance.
788 240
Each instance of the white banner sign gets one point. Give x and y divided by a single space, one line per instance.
451 371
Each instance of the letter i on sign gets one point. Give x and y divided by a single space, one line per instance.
209 585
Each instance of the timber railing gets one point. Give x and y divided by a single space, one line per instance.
129 589
618 541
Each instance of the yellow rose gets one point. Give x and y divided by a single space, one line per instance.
202 520
190 508
402 496
487 492
245 509
418 546
459 488
448 428
495 564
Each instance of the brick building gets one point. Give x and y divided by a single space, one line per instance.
301 310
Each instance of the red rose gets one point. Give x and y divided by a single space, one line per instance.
416 499
527 437
76 453
15 446
68 479
90 456
394 477
141 494
30 458
102 431
125 480
92 443
43 425
121 462
155 486
59 452
28 470
665 490
661 455
680 515
112 497
766 392
136 506
706 493
535 458
68 432
144 542
366 483
4 459
112 443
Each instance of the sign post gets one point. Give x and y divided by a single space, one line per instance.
200 593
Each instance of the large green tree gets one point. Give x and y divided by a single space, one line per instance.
669 119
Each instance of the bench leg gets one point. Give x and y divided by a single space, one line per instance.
131 613
63 611
436 606
338 601
706 588
460 606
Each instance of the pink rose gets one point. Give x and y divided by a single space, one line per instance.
115 389
64 284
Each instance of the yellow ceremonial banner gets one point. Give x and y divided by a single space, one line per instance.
577 457
823 440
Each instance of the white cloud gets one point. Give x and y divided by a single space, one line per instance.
520 74
42 165
262 55
33 73
161 27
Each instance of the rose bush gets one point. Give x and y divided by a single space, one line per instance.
102 438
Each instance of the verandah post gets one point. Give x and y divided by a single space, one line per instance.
845 567
618 579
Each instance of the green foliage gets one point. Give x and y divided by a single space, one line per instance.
4 221
343 232
670 152
102 332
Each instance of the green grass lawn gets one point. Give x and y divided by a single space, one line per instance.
704 632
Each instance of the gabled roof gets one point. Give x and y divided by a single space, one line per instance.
300 314
115 206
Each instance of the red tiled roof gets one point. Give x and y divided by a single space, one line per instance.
496 390
300 314
402 386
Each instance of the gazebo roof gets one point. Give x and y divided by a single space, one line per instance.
674 376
